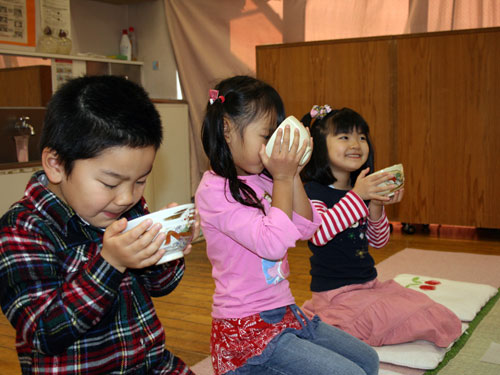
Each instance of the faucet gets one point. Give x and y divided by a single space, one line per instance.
22 124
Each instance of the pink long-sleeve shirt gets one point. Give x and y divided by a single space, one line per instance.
247 249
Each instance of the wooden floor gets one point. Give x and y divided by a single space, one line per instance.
185 313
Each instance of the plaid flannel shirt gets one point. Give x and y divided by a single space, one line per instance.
73 312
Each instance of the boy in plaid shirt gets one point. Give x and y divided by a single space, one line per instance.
76 288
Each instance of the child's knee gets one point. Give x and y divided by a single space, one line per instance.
372 361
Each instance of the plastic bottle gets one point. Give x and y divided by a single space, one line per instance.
125 46
133 42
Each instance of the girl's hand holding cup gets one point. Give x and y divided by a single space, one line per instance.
395 198
368 187
296 131
284 159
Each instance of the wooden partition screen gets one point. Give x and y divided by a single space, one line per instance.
432 102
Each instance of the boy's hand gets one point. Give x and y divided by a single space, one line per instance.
137 248
367 186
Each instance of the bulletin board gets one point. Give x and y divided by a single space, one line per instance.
18 22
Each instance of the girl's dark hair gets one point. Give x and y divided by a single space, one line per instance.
338 121
88 115
245 100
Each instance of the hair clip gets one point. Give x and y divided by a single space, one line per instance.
214 95
320 111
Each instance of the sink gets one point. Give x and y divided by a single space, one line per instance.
9 116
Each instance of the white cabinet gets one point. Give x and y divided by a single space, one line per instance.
170 180
13 182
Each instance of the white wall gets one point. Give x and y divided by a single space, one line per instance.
170 180
154 45
96 26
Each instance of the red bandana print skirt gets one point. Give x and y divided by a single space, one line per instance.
234 341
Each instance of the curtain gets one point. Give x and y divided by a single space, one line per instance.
213 40
216 39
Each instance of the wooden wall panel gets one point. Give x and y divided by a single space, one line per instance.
432 102
354 75
27 86
414 130
448 108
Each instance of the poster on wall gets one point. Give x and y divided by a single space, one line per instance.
17 22
65 69
55 16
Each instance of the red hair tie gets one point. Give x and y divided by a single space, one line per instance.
214 95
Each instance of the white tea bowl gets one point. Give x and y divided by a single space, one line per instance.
399 179
177 223
304 136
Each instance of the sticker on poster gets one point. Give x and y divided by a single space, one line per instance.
55 15
63 72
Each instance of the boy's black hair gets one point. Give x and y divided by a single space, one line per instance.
245 100
88 115
338 121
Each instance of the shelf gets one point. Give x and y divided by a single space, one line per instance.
67 57
124 2
13 168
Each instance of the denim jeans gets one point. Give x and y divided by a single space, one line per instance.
329 351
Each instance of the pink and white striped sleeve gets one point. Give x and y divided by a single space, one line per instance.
378 232
341 216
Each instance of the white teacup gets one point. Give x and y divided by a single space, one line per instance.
177 223
399 179
304 135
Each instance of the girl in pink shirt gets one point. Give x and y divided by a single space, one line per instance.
253 208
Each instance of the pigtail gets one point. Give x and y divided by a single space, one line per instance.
318 168
244 194
306 120
212 136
